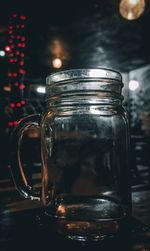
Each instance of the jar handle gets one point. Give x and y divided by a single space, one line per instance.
16 168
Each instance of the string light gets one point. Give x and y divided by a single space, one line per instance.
9 74
12 105
23 39
10 123
23 17
23 102
131 9
16 60
22 86
7 48
15 123
22 71
14 15
18 105
21 63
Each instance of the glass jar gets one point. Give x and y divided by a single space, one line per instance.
84 148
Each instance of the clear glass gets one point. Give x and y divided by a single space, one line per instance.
84 150
84 136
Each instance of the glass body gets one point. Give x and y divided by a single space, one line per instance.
84 136
84 149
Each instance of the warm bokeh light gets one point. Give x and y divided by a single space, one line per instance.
61 210
56 47
58 52
7 88
57 63
33 133
133 85
131 9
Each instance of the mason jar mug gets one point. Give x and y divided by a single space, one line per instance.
84 151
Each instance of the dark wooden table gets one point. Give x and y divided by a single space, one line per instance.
22 229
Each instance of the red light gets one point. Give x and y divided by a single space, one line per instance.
9 74
10 27
22 55
15 122
22 86
23 17
18 37
18 105
10 123
23 39
12 46
17 52
16 84
14 74
22 71
11 54
10 32
7 48
11 60
21 63
14 15
23 102
12 105
23 45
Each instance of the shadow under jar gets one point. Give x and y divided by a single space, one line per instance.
84 146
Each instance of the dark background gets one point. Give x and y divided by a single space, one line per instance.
92 33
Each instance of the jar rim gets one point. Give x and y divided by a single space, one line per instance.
83 74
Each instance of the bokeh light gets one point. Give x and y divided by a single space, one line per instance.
131 9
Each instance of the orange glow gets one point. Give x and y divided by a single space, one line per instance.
59 52
7 88
56 48
33 133
61 210
131 9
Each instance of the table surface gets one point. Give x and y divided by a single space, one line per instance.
21 227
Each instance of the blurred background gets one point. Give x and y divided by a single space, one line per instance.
38 38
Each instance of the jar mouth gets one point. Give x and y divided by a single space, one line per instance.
83 74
